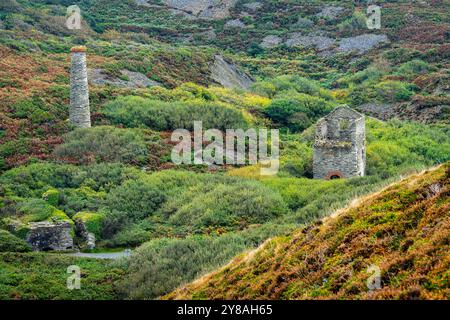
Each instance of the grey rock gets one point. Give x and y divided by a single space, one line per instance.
135 80
304 23
253 5
87 238
209 9
318 42
46 235
362 43
330 12
270 42
236 23
378 110
228 75
208 35
340 147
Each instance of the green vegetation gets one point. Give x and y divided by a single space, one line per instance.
11 243
214 216
332 259
117 177
40 276
162 116
92 221
106 144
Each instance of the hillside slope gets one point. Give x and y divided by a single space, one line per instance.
403 230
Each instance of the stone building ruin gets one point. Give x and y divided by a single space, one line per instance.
79 112
339 147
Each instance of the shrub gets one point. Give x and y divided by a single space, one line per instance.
35 210
11 243
393 91
225 205
51 196
35 179
413 68
371 74
92 221
33 109
281 84
81 199
297 111
137 199
129 237
104 144
160 115
355 22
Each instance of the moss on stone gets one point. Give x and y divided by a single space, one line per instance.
92 221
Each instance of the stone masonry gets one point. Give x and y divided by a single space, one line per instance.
46 236
79 113
339 147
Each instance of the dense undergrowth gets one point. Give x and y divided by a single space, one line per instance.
402 231
117 176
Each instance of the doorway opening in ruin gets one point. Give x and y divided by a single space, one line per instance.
334 175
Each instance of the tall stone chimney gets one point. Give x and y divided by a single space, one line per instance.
79 112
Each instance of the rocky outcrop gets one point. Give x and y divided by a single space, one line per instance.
415 111
206 9
330 12
362 43
133 80
318 42
270 42
236 23
253 5
87 239
304 23
46 236
228 75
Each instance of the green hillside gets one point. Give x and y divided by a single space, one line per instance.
402 230
155 66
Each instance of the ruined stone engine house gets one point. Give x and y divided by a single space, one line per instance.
340 145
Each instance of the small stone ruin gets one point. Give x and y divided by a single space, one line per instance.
50 236
339 147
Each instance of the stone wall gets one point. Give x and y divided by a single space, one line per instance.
79 113
46 236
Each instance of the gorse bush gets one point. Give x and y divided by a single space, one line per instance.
137 199
388 91
413 68
394 91
11 243
160 115
297 111
280 84
104 144
236 205
92 221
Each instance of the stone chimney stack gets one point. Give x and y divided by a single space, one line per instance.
79 113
